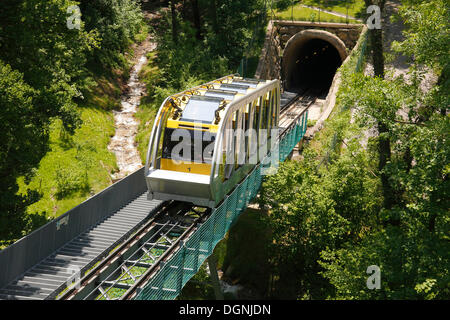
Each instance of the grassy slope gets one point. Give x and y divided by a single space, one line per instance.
355 7
307 14
79 166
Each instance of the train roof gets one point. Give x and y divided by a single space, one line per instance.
208 102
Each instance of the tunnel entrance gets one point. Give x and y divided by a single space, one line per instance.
310 61
315 66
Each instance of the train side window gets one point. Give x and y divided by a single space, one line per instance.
232 144
160 139
252 134
247 125
240 137
263 134
269 113
218 166
227 151
223 150
258 119
161 142
274 108
263 122
237 127
257 112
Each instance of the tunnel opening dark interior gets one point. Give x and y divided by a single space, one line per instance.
315 65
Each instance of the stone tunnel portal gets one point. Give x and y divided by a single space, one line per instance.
310 61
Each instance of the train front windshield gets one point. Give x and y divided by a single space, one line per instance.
188 145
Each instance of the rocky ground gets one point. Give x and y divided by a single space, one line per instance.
123 143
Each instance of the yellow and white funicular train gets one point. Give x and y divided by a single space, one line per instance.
207 139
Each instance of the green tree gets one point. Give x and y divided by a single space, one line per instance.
197 21
174 19
41 74
44 71
384 144
413 253
22 144
36 41
236 20
311 210
116 23
427 43
282 5
406 232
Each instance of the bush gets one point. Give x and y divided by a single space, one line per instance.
117 23
282 5
70 180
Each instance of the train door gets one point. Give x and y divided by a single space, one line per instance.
263 126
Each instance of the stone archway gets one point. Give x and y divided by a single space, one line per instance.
311 58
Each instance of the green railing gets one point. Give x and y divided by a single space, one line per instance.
185 263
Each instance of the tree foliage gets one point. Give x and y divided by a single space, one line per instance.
116 23
45 67
313 209
184 58
415 249
36 41
21 145
335 215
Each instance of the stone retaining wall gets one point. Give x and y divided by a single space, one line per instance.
279 32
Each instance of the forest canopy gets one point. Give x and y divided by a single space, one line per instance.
45 70
350 205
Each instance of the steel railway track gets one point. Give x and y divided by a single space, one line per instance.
48 278
125 271
293 109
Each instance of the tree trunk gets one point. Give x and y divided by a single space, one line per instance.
376 42
197 22
174 21
384 155
215 24
384 144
